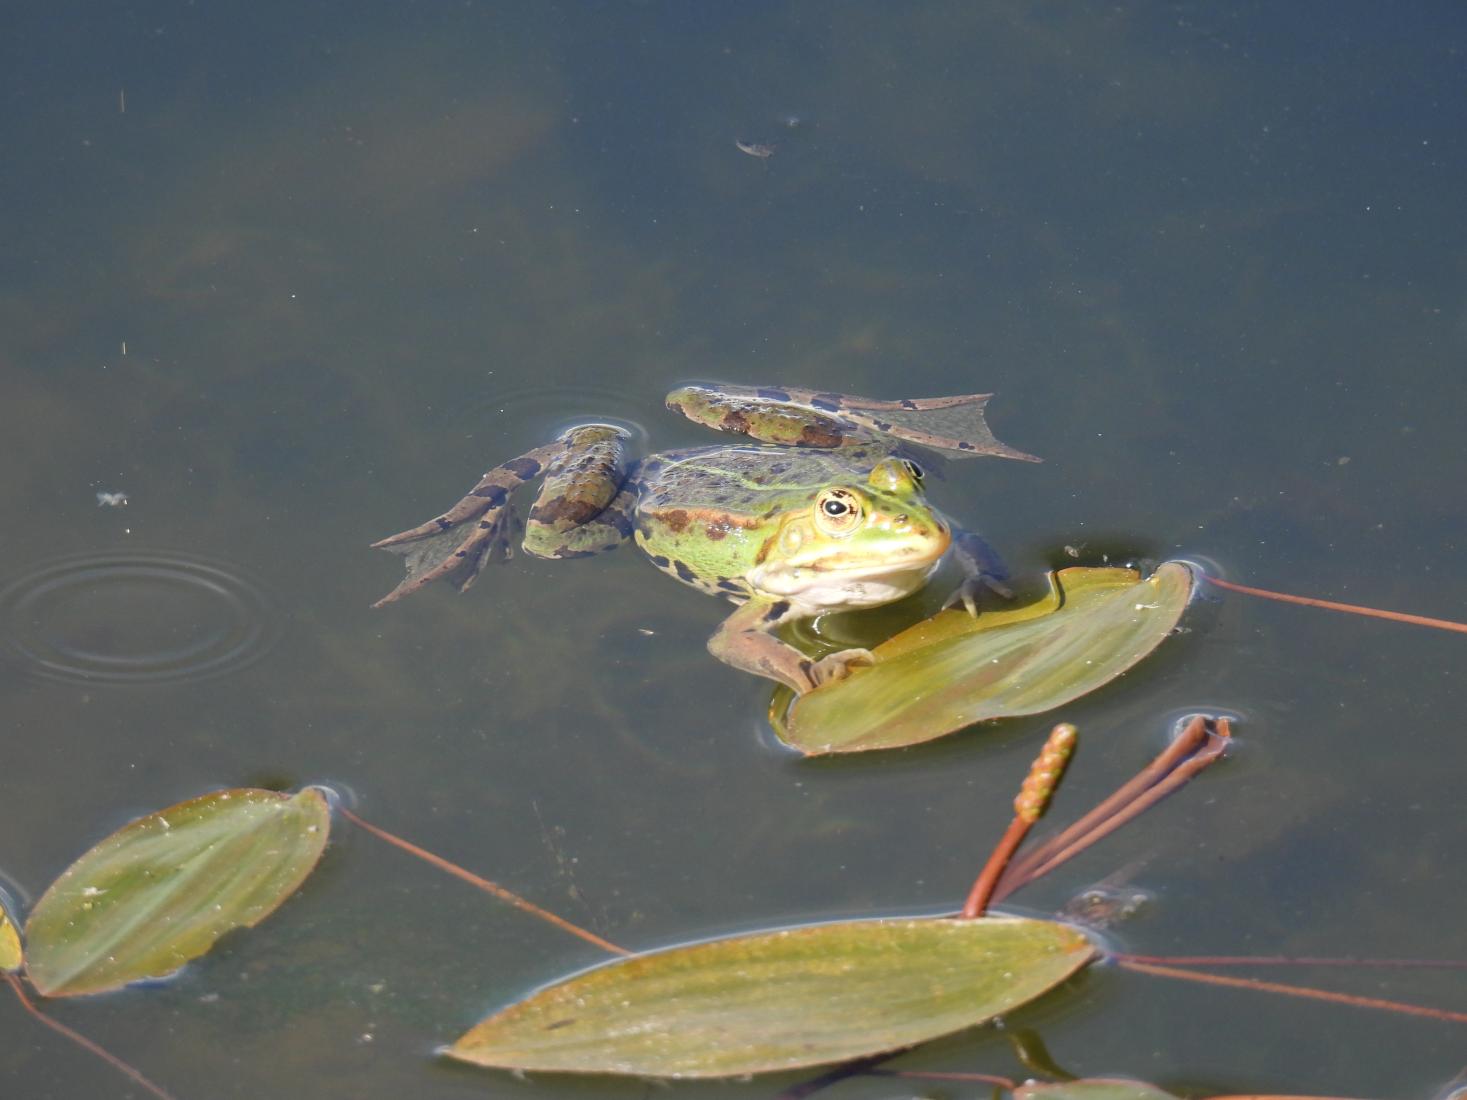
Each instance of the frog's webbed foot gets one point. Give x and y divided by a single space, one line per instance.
983 571
837 666
480 528
745 640
808 418
453 556
970 592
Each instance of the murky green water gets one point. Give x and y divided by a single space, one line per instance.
290 279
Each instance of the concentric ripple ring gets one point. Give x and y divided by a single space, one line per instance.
135 618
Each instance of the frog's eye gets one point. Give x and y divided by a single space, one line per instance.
912 468
837 512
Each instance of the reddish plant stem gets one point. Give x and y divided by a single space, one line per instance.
1331 605
1047 860
1305 991
82 1041
949 1075
1186 742
1029 805
484 884
1192 750
1295 960
982 891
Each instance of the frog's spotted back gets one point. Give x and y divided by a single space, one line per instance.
811 418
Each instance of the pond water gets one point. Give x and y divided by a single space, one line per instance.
279 280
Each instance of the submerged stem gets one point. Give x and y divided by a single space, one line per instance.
82 1041
1402 1007
484 884
1331 605
1296 960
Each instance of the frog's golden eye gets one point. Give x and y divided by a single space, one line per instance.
837 512
912 468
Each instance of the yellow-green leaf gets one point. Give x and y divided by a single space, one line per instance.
1096 1088
161 890
954 669
10 952
778 1000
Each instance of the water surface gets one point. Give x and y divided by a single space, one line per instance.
291 278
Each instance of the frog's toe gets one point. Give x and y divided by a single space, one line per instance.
972 588
837 666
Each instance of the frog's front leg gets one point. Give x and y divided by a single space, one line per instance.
983 571
746 640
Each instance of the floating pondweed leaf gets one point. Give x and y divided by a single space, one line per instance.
10 952
161 890
1093 1089
779 1000
954 669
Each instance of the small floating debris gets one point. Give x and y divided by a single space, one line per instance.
755 149
111 500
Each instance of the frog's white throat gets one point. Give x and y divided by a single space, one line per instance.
815 591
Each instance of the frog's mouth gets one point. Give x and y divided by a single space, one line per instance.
832 585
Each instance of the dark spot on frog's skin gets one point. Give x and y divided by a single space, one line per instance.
764 551
494 494
777 611
523 468
675 521
735 421
684 573
909 404
729 586
716 531
883 425
566 510
560 1023
772 395
444 523
964 446
777 468
829 402
659 561
814 435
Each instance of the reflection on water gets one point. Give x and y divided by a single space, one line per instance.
134 618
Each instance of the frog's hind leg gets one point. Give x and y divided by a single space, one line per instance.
452 545
608 530
746 640
586 501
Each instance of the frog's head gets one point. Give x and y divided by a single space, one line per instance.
854 545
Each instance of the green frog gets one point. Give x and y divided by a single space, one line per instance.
829 514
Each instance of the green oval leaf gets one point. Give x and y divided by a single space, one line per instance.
954 669
1095 1088
161 890
10 952
779 1000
